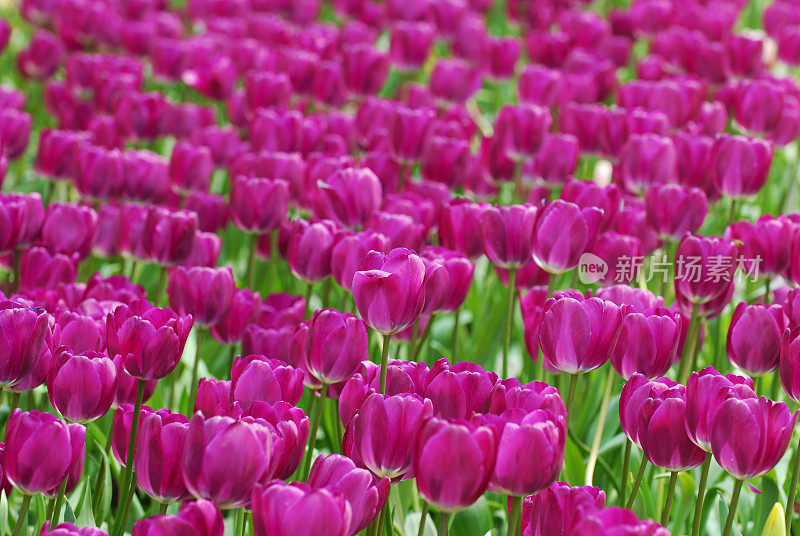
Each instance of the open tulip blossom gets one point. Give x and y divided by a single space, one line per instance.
384 267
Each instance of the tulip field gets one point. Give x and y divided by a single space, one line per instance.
399 267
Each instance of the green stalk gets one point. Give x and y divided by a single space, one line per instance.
792 490
637 482
737 489
162 283
62 490
309 289
417 348
195 367
444 520
162 508
23 514
673 479
251 260
573 380
454 336
626 464
690 347
129 486
312 436
384 362
421 529
598 432
512 276
239 522
701 495
515 518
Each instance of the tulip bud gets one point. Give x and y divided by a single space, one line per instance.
348 252
408 131
558 252
207 469
40 269
410 44
766 244
244 310
201 518
579 335
149 339
213 397
559 508
69 229
754 337
203 293
41 451
507 232
190 167
673 211
23 332
310 250
522 129
647 344
646 160
96 375
168 236
335 345
348 196
42 56
454 80
739 165
157 460
257 378
389 290
704 268
453 463
281 509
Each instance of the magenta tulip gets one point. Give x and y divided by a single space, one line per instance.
754 337
507 233
200 518
647 344
203 293
81 386
157 460
297 509
557 251
257 378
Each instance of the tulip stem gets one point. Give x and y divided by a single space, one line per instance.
673 479
454 336
423 518
11 407
737 489
792 490
162 508
62 490
15 264
573 380
689 347
512 276
312 436
626 464
23 514
637 482
162 283
384 362
129 486
422 338
601 423
701 495
239 522
444 520
515 518
309 289
767 291
195 367
251 260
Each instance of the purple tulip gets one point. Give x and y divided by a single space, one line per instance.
454 81
739 166
257 378
41 451
647 344
704 267
365 493
15 129
380 436
646 160
42 56
457 392
207 469
96 375
68 529
24 337
190 167
615 521
40 269
754 337
69 229
502 55
348 197
790 362
453 463
617 251
201 518
673 211
522 129
588 194
766 244
203 293
245 308
408 130
168 236
389 290
335 345
750 435
310 250
149 339
559 508
578 336
145 176
705 392
365 69
212 211
281 509
213 397
558 252
128 385
348 252
259 205
290 428
411 43
459 272
157 460
507 233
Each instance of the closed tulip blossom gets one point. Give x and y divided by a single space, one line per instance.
281 509
460 227
348 196
673 210
380 436
69 229
23 338
190 167
41 450
739 166
257 378
348 252
82 386
290 428
365 493
646 160
559 508
310 250
790 362
244 310
766 245
453 462
335 345
408 131
507 233
754 337
201 518
616 521
209 470
158 457
647 344
68 529
704 267
522 129
259 205
557 251
149 339
203 293
459 391
168 236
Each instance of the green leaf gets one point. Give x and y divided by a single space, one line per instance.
775 525
477 519
574 467
411 525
